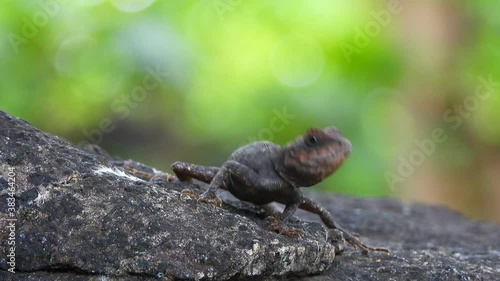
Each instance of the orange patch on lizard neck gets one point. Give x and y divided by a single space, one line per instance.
303 156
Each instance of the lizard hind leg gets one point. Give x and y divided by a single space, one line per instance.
186 172
220 180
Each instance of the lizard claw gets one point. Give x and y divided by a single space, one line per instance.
185 193
292 232
205 197
274 223
278 227
358 244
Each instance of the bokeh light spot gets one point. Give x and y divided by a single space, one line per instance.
88 3
66 59
131 6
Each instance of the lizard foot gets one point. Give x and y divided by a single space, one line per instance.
278 227
358 244
207 198
211 198
186 193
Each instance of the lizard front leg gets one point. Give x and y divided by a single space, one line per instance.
222 179
314 207
278 221
216 177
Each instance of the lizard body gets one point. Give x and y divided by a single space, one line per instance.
263 172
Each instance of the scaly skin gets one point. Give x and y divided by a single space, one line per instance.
263 172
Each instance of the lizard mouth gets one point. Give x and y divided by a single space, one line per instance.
330 152
329 158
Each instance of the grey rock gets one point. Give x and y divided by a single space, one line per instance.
78 214
81 217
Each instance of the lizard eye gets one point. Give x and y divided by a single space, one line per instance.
312 140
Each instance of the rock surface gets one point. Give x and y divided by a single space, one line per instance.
81 217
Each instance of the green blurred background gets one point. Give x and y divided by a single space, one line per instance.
413 84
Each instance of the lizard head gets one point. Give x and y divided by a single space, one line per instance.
309 159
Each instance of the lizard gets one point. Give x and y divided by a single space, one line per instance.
263 172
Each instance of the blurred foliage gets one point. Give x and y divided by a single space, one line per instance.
232 71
